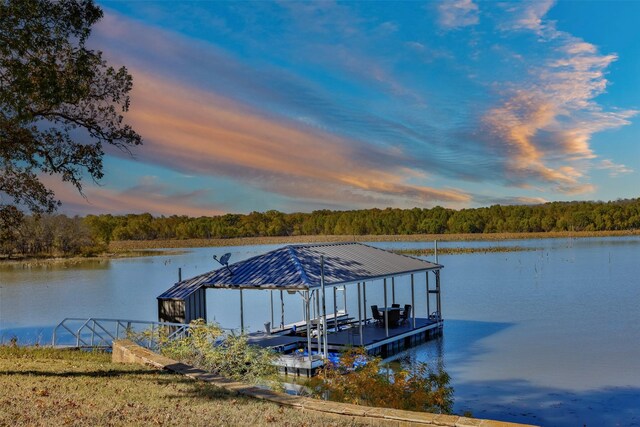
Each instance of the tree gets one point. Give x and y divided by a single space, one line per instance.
60 103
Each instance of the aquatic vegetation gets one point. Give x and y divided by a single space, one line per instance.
457 251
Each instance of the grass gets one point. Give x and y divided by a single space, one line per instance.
44 387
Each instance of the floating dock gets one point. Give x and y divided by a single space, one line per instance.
310 271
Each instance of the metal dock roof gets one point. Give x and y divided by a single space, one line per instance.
297 267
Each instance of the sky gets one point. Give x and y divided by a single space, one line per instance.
298 106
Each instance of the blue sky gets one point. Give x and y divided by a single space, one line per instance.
299 106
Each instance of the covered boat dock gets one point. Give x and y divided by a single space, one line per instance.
318 273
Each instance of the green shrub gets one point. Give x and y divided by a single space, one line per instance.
208 347
421 388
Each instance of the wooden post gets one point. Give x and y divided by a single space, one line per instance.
413 303
386 312
179 274
435 250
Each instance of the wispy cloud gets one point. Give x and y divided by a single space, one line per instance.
526 15
457 13
191 131
147 195
544 123
615 169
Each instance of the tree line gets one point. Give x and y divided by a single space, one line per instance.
61 235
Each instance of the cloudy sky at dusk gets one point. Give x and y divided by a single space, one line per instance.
300 106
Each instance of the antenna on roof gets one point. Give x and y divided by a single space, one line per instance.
224 261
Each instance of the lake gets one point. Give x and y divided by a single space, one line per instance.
549 336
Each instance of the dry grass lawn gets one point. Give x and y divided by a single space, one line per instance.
50 387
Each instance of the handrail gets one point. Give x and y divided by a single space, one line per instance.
99 327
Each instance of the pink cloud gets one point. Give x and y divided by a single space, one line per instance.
146 196
191 131
545 123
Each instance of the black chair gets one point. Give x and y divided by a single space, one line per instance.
377 316
395 305
406 314
393 316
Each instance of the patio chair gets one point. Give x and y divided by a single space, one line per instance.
377 316
406 314
395 305
393 317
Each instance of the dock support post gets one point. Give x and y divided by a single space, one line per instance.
393 290
386 312
413 302
364 300
335 308
314 304
281 311
307 316
271 297
324 310
179 274
344 297
241 314
360 315
435 250
438 301
428 294
317 319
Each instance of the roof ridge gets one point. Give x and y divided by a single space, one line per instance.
296 262
309 245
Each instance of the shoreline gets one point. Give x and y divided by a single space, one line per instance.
65 262
130 245
141 248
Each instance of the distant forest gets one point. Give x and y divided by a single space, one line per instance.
61 235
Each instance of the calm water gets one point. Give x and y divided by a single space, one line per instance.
550 336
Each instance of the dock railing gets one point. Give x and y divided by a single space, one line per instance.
98 332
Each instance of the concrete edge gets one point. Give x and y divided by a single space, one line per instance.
126 351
